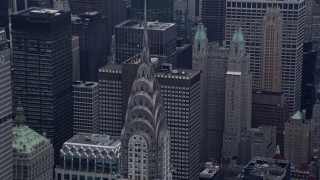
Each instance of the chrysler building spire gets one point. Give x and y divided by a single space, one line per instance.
145 138
145 54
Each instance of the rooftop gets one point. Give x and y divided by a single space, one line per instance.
139 25
25 140
94 140
85 84
234 73
180 73
155 59
210 171
269 169
40 12
111 67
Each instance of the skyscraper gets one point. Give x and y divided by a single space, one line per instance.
85 107
298 140
308 90
180 90
181 93
213 17
271 68
237 96
199 63
158 10
4 15
270 109
110 97
32 152
5 109
145 148
78 7
42 75
89 26
250 14
269 105
129 40
181 17
308 21
217 68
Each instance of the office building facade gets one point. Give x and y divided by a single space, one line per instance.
213 17
271 68
250 15
89 26
32 152
157 10
89 156
298 142
199 63
238 96
270 109
181 93
110 97
5 108
129 40
85 107
258 142
4 16
75 43
42 75
78 7
181 18
308 90
61 5
217 69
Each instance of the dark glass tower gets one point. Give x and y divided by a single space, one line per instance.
91 31
308 89
161 10
213 17
42 75
78 7
4 17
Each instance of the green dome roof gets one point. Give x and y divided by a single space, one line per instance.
200 34
238 36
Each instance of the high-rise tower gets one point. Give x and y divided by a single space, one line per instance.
5 109
199 62
213 17
272 29
158 10
78 7
42 75
250 14
237 96
217 68
145 137
269 105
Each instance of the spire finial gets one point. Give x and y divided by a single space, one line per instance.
19 119
145 54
